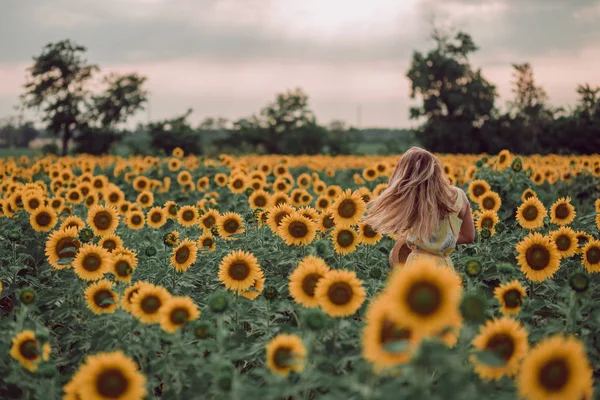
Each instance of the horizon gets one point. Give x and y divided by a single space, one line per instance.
228 59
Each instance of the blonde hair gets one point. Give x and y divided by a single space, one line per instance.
418 197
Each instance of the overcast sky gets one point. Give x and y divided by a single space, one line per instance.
228 58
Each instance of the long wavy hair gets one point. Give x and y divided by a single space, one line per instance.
417 199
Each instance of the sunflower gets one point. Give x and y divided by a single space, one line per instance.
184 255
259 199
221 179
565 240
478 188
147 302
28 350
187 216
379 189
256 289
562 212
347 209
322 203
43 219
309 213
57 203
382 333
32 201
538 257
369 174
230 224
206 243
326 221
490 201
174 164
340 293
582 238
237 183
74 196
556 368
303 280
171 239
91 262
527 194
156 217
130 292
109 376
238 270
72 221
424 296
61 246
171 209
103 219
100 298
506 339
531 213
297 230
122 266
285 353
486 220
176 312
184 177
208 220
367 235
280 198
113 195
591 256
145 199
345 240
510 295
111 242
135 220
141 183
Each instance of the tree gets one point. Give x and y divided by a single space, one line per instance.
56 84
123 97
456 99
176 132
589 101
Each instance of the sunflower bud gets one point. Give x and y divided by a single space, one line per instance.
485 233
506 268
86 235
499 227
250 217
249 191
270 293
27 296
202 330
579 282
473 306
517 165
315 319
218 302
214 231
150 251
13 236
473 267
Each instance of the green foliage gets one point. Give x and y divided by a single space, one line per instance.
169 134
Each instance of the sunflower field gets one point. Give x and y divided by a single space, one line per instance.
254 277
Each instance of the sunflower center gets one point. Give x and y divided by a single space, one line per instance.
298 229
528 195
563 242
43 219
280 200
502 158
562 211
29 349
538 257
188 215
238 183
150 304
282 357
131 294
113 197
340 293
281 186
512 298
371 172
280 216
56 204
173 210
478 190
260 201
182 255
209 221
109 244
156 217
74 196
33 203
144 199
501 345
239 270
345 238
231 226
489 203
530 213
328 222
581 240
123 268
554 375
593 255
424 298
102 220
63 244
92 262
369 232
487 223
102 295
391 333
309 283
136 220
112 383
179 316
207 242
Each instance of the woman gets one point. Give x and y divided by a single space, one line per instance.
423 209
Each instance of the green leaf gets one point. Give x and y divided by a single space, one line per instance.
490 358
65 261
398 346
67 250
107 301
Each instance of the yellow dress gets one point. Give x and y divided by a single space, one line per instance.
441 243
